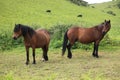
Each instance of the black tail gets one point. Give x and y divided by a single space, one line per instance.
65 41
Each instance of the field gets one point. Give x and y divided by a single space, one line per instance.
63 13
81 67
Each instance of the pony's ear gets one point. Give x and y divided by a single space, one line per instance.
105 20
109 21
19 25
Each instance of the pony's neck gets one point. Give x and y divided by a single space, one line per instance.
100 27
27 38
27 31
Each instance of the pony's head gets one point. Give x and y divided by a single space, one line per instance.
106 27
22 30
17 31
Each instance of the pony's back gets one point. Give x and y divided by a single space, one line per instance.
43 35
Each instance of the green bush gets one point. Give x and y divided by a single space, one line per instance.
118 4
57 33
79 2
111 13
6 41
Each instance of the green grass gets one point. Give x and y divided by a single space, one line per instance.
81 67
33 13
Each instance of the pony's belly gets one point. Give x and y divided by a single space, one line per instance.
86 41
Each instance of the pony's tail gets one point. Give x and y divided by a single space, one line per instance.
65 41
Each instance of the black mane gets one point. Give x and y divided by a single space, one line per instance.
26 30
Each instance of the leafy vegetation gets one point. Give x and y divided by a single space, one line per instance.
80 2
111 13
6 41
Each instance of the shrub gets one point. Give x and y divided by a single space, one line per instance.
57 33
79 2
93 6
111 13
6 41
106 40
118 5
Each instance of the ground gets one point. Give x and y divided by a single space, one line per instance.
83 66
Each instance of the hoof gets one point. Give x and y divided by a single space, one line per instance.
34 63
43 59
97 56
63 53
93 55
27 63
69 57
46 58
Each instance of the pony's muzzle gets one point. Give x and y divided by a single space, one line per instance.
104 33
14 38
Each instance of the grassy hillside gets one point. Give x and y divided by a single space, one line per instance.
111 7
32 12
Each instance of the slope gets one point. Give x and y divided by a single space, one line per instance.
33 13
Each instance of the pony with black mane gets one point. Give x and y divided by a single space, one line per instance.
39 38
85 35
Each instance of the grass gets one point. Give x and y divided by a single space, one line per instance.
33 13
81 67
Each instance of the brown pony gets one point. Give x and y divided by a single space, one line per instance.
85 35
33 38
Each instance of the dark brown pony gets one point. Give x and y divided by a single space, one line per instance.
33 38
85 35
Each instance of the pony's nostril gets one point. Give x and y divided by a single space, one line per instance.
14 38
104 33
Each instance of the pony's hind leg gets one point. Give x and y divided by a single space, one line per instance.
34 62
69 51
45 50
95 51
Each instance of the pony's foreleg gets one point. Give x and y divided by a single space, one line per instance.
34 61
69 51
27 56
94 50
